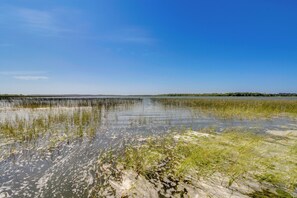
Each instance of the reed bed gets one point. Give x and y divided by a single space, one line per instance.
236 108
44 123
40 102
29 118
53 121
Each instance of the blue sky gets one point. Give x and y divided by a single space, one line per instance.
147 46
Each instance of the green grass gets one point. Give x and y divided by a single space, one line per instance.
235 108
235 155
267 194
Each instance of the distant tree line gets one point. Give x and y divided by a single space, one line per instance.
236 94
233 94
9 96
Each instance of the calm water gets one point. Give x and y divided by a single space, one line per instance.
69 170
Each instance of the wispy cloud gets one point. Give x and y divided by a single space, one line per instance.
26 75
69 23
134 35
36 19
31 77
50 22
22 73
40 21
139 40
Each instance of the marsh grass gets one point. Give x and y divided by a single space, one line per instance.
235 155
52 102
236 108
27 130
45 114
45 123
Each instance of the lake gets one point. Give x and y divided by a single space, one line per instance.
37 166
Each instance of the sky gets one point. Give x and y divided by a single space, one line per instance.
147 46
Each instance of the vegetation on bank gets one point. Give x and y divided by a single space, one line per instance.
239 156
235 108
235 94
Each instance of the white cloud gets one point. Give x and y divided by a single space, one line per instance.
31 77
21 73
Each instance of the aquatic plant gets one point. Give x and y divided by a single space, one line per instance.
235 108
27 121
49 102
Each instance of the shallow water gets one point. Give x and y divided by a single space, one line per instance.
69 169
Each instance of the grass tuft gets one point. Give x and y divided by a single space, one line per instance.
235 155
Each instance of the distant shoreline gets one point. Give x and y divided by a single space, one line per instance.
231 94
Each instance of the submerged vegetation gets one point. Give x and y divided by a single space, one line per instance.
263 164
235 108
